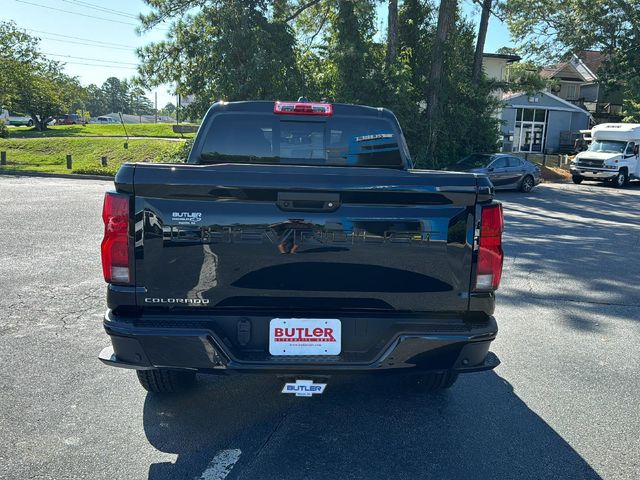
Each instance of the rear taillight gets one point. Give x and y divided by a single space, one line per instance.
490 253
115 244
302 108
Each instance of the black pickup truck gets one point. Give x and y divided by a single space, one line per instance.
298 240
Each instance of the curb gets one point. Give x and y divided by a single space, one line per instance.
26 173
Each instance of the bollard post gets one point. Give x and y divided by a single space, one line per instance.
69 162
103 161
559 160
3 158
544 160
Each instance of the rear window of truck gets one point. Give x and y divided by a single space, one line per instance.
269 139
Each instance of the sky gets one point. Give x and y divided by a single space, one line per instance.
97 39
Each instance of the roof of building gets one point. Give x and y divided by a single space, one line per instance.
575 68
593 59
505 56
511 99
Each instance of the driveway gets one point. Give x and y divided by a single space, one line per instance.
563 404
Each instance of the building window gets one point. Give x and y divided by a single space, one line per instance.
531 126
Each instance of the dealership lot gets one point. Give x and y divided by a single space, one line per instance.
562 405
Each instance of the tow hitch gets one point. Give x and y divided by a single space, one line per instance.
305 387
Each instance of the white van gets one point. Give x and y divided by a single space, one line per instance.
108 120
612 155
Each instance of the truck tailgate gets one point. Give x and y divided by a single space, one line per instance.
300 237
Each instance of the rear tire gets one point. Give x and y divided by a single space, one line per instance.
166 381
527 184
432 382
30 123
577 179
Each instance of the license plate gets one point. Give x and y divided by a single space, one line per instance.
305 336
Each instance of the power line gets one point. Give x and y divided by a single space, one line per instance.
76 13
80 38
90 59
110 11
105 66
86 44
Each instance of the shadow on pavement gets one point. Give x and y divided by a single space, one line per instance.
581 239
362 427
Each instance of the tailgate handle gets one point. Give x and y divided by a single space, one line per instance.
309 202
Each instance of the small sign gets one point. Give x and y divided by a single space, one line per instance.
304 388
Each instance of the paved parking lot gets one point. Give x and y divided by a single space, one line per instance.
564 403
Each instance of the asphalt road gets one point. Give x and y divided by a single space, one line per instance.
563 404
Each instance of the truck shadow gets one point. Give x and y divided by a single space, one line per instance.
362 427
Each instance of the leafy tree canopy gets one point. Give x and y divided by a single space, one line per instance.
323 49
30 83
548 30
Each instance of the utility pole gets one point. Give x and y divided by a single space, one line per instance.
178 109
156 102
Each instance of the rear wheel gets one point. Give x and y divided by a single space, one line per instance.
166 381
30 123
577 179
527 184
431 382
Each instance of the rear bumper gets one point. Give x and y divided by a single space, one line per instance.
416 348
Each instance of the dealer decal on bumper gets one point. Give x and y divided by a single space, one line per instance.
304 388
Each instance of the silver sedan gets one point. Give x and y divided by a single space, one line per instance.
505 171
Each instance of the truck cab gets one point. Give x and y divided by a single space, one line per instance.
612 155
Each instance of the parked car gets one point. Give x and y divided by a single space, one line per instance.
283 247
11 118
71 119
106 120
505 171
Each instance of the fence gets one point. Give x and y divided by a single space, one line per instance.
546 159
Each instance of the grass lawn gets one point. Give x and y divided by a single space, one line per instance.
161 130
49 154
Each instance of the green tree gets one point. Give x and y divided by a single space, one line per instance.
31 83
464 119
138 103
96 102
116 95
17 50
548 30
228 49
482 35
353 58
169 110
328 49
